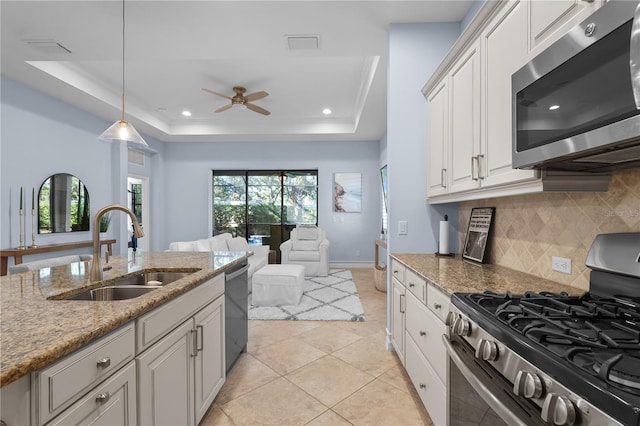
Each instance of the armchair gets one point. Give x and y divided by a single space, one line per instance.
309 247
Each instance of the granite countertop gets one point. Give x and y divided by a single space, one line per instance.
455 275
36 329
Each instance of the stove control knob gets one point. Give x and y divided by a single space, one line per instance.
528 384
487 350
461 327
451 316
558 410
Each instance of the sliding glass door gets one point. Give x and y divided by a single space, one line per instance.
264 205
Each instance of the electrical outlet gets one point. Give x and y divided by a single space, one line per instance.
402 227
561 264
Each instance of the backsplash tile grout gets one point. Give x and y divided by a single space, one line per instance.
529 229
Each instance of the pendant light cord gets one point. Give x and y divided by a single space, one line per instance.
123 44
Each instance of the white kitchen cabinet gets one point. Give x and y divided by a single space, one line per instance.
15 406
210 356
426 330
165 380
469 123
432 393
437 140
398 317
111 403
417 328
551 19
181 372
67 381
465 149
504 48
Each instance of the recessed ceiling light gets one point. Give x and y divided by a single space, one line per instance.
554 107
186 113
326 111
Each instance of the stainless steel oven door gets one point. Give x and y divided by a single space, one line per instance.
479 395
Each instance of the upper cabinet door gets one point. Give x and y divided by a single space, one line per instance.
551 19
504 47
437 142
465 121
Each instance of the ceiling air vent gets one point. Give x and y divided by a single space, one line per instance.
302 41
48 46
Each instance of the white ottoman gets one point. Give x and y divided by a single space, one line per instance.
275 285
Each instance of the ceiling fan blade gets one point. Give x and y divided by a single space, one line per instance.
217 94
224 108
255 96
257 109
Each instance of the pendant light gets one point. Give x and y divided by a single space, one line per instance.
122 130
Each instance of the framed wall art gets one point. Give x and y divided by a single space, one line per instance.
347 192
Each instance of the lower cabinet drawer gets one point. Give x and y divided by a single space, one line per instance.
432 393
426 330
111 403
152 326
416 285
438 302
65 381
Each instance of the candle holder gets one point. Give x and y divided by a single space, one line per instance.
21 246
33 229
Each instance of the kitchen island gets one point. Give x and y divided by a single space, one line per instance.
36 329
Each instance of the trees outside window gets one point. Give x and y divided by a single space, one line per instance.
263 206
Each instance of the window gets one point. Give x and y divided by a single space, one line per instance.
264 205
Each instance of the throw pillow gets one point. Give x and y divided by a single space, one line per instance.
307 233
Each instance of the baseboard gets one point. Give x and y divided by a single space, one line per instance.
350 265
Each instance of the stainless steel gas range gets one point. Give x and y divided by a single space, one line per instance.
546 358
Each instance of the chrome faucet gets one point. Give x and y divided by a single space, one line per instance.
96 268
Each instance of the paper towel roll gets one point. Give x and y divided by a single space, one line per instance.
443 243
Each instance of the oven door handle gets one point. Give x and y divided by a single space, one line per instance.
634 57
482 390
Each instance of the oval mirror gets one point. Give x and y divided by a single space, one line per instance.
63 205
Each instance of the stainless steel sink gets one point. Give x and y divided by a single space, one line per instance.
117 292
150 278
131 286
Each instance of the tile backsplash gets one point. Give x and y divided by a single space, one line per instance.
529 229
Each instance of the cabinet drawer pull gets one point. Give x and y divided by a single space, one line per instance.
473 174
401 307
443 178
101 398
422 386
437 305
423 333
480 174
104 362
412 285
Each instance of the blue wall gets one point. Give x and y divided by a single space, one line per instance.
187 172
415 51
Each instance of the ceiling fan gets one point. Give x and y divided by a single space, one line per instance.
242 101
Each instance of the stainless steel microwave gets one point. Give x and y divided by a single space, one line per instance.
576 106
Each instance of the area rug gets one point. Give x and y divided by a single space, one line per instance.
330 298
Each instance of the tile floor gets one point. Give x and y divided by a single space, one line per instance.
320 373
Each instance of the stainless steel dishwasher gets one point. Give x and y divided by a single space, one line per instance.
236 307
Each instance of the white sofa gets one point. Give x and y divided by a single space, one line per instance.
226 242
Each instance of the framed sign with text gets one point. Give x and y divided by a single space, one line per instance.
475 243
